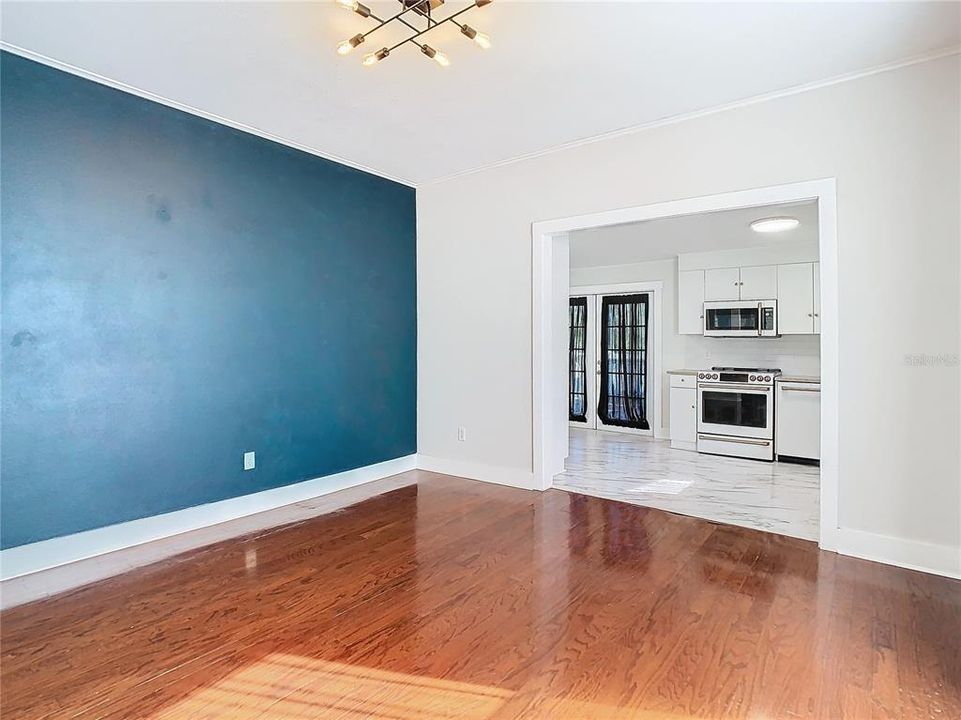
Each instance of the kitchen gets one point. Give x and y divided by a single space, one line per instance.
695 366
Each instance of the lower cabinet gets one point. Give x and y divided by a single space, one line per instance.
683 412
797 413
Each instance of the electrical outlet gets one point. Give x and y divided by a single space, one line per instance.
462 434
249 461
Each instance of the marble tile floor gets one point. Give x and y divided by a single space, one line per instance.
777 497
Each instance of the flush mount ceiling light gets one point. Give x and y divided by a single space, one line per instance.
775 224
421 13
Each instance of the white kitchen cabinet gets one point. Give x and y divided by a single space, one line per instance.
690 302
758 282
683 412
797 427
795 299
817 298
722 284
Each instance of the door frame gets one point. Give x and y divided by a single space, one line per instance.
655 289
550 245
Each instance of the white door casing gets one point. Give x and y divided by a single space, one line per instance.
545 307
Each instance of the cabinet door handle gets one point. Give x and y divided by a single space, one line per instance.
797 389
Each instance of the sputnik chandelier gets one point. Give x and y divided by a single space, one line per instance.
420 11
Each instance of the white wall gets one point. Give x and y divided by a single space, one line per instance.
783 253
890 139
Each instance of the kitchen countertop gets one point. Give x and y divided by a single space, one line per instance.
683 371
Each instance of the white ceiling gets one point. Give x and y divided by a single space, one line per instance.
668 237
557 72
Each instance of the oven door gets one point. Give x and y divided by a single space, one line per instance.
738 410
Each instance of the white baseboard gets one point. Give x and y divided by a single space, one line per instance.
911 554
37 570
105 544
498 475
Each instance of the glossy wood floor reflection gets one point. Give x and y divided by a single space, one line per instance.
457 599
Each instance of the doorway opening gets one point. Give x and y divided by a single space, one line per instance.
740 335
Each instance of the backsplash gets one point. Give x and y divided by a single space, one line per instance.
794 354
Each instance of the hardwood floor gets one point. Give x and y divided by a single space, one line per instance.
458 599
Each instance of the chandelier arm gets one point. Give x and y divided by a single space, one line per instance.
450 18
403 20
395 17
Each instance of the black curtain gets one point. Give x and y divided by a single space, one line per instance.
577 384
623 394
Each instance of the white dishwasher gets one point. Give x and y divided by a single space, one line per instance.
797 421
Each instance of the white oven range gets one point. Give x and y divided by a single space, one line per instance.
735 412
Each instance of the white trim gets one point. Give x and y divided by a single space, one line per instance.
912 554
824 192
243 127
512 477
683 117
47 554
655 288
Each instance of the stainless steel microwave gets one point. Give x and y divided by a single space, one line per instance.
740 318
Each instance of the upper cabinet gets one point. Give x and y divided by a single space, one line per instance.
759 283
817 298
795 286
796 310
690 302
745 283
722 284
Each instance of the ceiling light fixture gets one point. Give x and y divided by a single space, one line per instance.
422 13
774 224
478 37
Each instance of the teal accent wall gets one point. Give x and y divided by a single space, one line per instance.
175 293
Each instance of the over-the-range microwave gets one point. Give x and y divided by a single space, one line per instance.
740 318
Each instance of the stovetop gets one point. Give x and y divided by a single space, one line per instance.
755 376
773 371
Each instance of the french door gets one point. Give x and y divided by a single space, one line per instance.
610 362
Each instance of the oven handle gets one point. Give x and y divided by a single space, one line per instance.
739 441
721 386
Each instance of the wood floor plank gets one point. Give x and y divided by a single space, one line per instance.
456 599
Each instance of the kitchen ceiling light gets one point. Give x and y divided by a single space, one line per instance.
775 224
424 21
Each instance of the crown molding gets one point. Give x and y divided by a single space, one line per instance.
243 127
628 130
683 117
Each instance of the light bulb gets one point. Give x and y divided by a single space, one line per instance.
348 4
441 59
345 47
483 40
376 57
